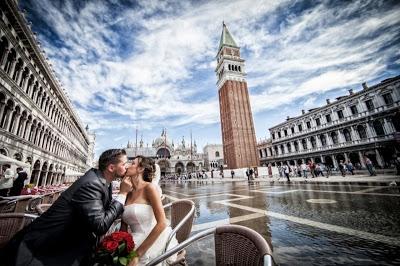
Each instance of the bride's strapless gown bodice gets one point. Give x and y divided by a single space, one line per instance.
141 220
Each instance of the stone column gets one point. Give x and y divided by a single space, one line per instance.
346 157
318 141
26 131
22 126
335 163
387 127
370 132
7 119
4 59
20 75
309 146
15 126
361 157
2 108
12 67
379 158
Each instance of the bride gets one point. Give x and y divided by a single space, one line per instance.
144 213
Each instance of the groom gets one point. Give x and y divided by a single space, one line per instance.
67 233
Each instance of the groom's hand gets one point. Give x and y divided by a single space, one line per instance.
126 186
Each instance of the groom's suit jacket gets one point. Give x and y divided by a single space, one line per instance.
67 232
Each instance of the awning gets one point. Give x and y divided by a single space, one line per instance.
8 160
70 172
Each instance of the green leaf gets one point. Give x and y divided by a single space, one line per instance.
115 260
123 260
121 247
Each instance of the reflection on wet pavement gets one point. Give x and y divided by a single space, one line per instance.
306 224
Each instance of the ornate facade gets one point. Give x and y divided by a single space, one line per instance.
358 124
238 135
38 124
172 159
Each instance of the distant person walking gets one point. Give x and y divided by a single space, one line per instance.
350 168
232 173
304 170
370 166
286 171
342 168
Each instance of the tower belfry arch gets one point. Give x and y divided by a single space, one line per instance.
238 134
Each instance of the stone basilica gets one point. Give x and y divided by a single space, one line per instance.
172 159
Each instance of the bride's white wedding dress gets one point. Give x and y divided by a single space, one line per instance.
140 218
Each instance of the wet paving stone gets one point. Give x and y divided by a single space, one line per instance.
306 224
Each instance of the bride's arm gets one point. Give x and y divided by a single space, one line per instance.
153 197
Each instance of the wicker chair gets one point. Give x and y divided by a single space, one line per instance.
234 245
182 215
42 207
32 204
22 203
7 206
11 223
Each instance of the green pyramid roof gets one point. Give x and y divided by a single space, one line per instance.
226 38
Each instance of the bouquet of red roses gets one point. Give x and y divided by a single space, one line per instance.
115 249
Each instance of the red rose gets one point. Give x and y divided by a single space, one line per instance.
130 245
117 236
110 246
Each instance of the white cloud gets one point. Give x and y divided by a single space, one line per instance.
149 65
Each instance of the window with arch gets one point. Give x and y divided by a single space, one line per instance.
378 128
217 154
304 144
313 142
323 139
347 135
361 132
334 138
282 149
296 146
289 147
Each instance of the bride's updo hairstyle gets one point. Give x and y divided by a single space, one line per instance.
149 167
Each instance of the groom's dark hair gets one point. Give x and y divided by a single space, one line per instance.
110 156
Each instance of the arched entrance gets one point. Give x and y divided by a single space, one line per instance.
354 159
50 175
35 172
179 168
328 161
42 176
340 157
190 167
164 167
317 159
3 152
163 153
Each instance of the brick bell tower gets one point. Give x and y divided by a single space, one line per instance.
238 135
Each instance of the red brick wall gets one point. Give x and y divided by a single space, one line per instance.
238 135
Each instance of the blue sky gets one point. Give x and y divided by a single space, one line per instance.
150 64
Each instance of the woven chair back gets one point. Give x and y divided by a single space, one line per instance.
179 210
7 206
10 224
239 245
